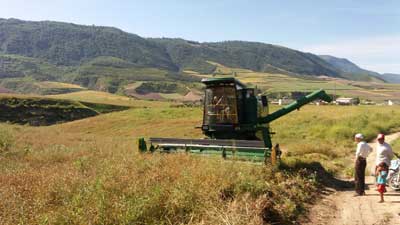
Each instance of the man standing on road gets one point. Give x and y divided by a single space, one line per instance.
362 152
384 152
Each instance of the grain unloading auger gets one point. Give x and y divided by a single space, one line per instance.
235 121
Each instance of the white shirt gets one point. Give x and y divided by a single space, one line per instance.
384 153
363 149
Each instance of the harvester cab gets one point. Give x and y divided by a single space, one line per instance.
235 122
231 109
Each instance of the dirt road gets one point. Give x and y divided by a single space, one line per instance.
342 208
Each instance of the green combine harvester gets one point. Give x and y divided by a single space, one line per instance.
235 121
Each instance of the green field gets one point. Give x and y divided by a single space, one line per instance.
90 172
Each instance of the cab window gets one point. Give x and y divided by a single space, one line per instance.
220 105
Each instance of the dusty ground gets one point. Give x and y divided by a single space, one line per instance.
340 207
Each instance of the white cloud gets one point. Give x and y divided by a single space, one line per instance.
381 54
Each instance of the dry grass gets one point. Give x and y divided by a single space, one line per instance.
89 171
94 179
107 98
51 84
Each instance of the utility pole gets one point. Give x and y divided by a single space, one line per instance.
334 95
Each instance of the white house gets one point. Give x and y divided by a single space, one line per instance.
347 101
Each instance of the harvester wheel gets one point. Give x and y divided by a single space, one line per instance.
142 146
152 148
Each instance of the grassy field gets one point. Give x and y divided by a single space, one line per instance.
325 134
396 145
52 84
89 171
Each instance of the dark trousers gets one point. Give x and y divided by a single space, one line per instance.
361 163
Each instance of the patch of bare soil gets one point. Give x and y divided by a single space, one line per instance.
192 97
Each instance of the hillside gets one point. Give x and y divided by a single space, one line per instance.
70 44
255 56
391 78
351 71
39 111
106 58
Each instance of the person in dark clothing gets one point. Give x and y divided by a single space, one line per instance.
362 152
359 177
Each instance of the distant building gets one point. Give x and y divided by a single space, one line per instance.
281 101
320 102
368 102
390 102
347 101
284 101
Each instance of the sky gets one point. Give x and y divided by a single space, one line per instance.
367 32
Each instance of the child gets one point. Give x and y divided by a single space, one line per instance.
381 173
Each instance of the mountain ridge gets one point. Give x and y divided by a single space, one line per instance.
391 78
349 69
106 58
70 44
